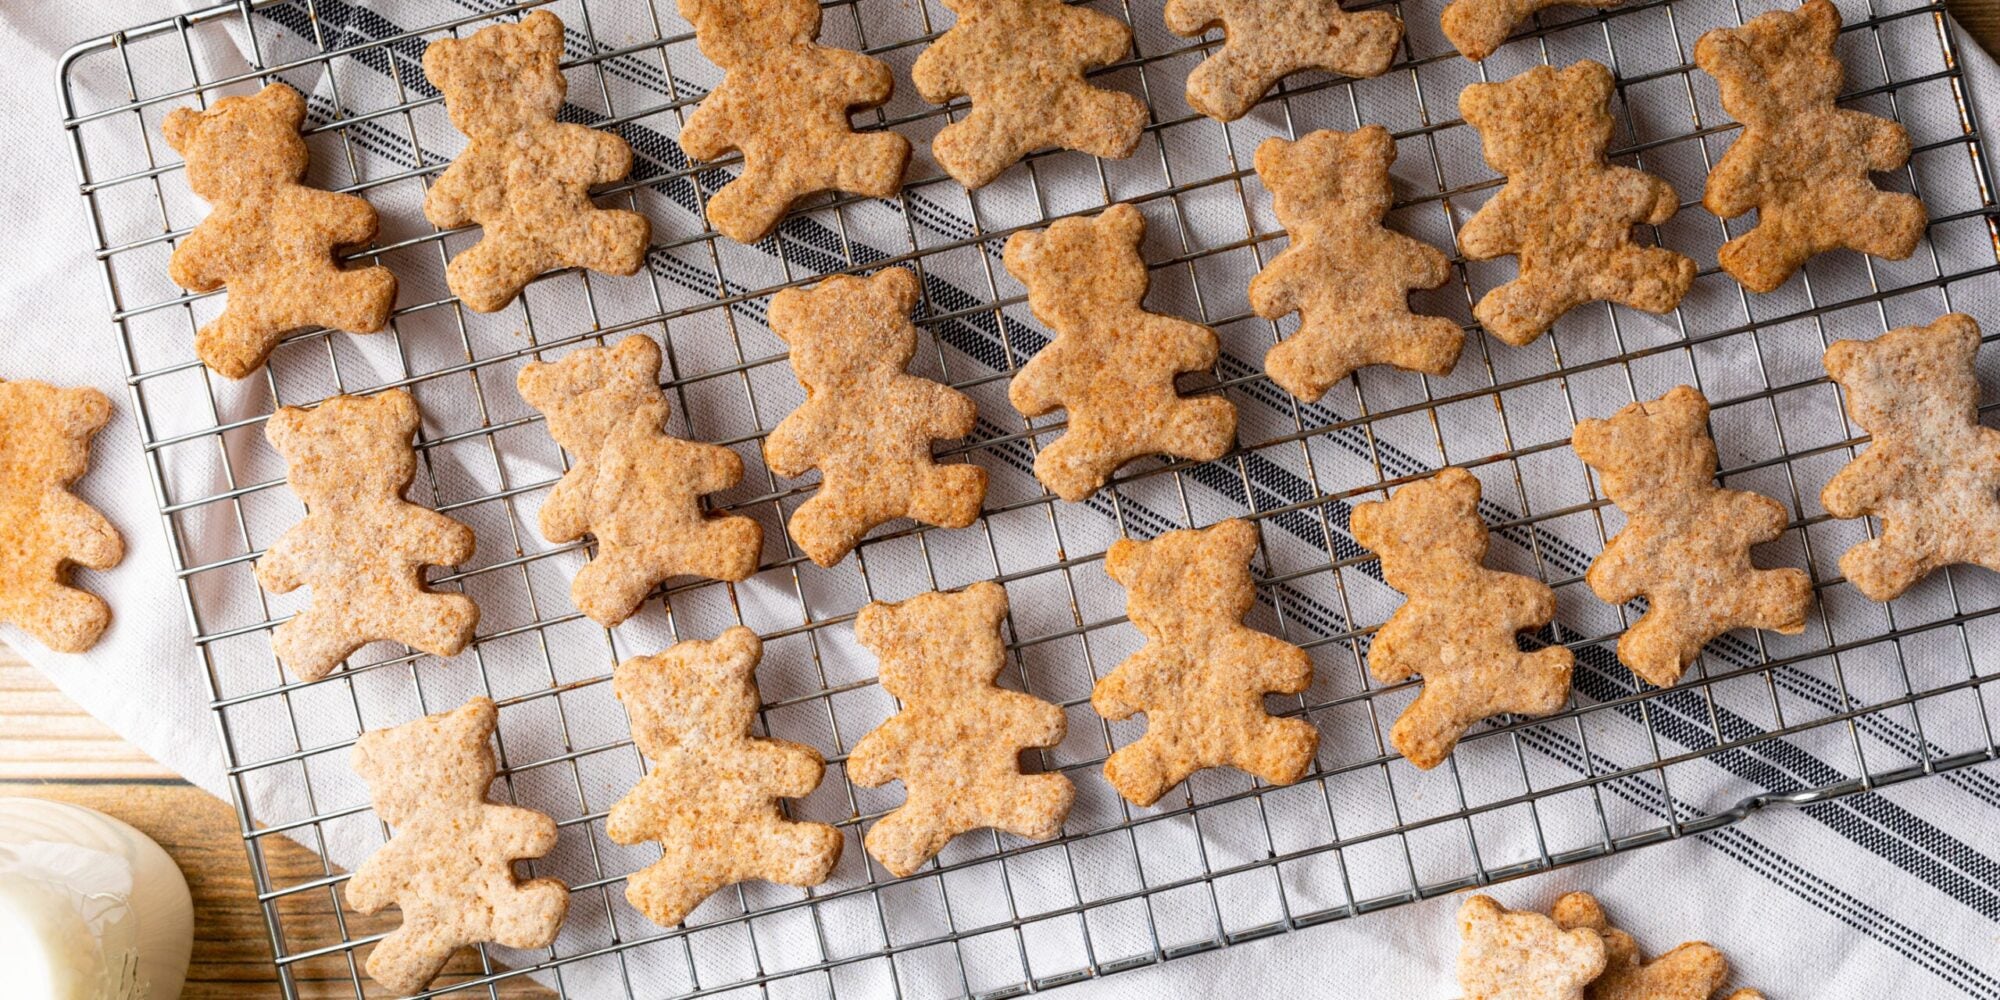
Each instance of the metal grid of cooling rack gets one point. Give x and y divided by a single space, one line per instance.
1870 695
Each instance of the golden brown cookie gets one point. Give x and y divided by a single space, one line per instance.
1202 676
1932 472
1686 543
1477 28
1347 276
1021 63
711 796
45 530
525 177
957 742
1112 363
1566 212
634 487
1693 971
1459 625
362 548
865 424
1522 955
784 102
269 239
450 865
1267 40
1801 162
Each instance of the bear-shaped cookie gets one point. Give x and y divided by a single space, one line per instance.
45 529
784 102
1523 955
270 240
1692 971
1476 28
1267 40
711 796
524 177
866 424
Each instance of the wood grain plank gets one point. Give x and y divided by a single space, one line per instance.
1981 18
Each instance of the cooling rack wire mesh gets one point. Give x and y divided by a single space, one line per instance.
1868 695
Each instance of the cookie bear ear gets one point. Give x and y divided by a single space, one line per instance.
1022 255
1270 157
441 59
180 127
898 285
288 104
1720 53
1123 223
402 410
1235 540
1594 79
545 30
1824 19
85 411
738 650
1374 142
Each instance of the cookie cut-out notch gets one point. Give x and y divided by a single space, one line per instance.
1932 470
784 102
45 530
1202 675
1459 624
957 742
524 177
1686 542
1692 971
711 796
1021 62
865 423
362 548
1566 212
270 240
1112 364
450 865
1802 162
1347 276
1477 28
1522 955
1267 40
634 487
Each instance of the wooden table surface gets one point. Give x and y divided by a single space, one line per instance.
50 749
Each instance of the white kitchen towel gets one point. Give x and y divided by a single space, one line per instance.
1890 893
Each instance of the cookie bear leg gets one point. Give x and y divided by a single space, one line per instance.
730 548
1765 257
611 587
806 853
906 838
826 529
1140 770
1103 123
522 919
1036 807
1660 645
1307 364
871 164
1520 311
749 207
1649 278
313 642
616 243
1223 87
666 892
975 149
1427 344
236 342
1881 570
1783 596
490 273
412 955
949 495
1202 428
357 301
1279 751
1075 465
64 619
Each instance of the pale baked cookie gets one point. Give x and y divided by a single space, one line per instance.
1566 212
1477 28
1459 626
1202 676
1347 276
1932 471
1522 955
1802 162
45 530
525 177
362 548
1021 62
450 865
1692 971
711 796
634 487
866 424
270 240
1112 364
1686 543
1267 40
957 742
784 101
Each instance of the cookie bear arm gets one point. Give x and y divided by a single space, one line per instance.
716 468
1886 143
374 885
1615 577
438 540
448 204
952 413
936 70
1124 692
864 80
1858 488
565 514
281 569
1759 515
1732 187
1190 17
1490 233
523 833
93 542
611 155
706 135
198 263
350 220
788 448
1280 666
1105 39
795 770
1274 292
1646 197
876 760
1423 265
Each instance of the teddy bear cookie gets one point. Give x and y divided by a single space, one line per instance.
1202 676
45 530
1565 211
1267 40
1021 62
524 177
1932 472
1347 276
362 548
1112 363
1523 955
1802 162
1459 625
1477 28
270 240
956 745
1692 971
711 796
1686 542
450 865
784 102
866 424
634 487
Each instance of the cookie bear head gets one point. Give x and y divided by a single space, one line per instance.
1542 118
503 79
970 647
1505 952
1779 61
1328 172
699 693
846 325
1185 575
1877 376
731 32
1423 522
242 143
592 392
444 758
1657 448
347 445
1077 270
50 428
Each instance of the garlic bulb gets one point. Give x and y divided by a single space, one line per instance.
90 909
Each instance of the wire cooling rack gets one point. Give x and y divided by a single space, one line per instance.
1868 696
